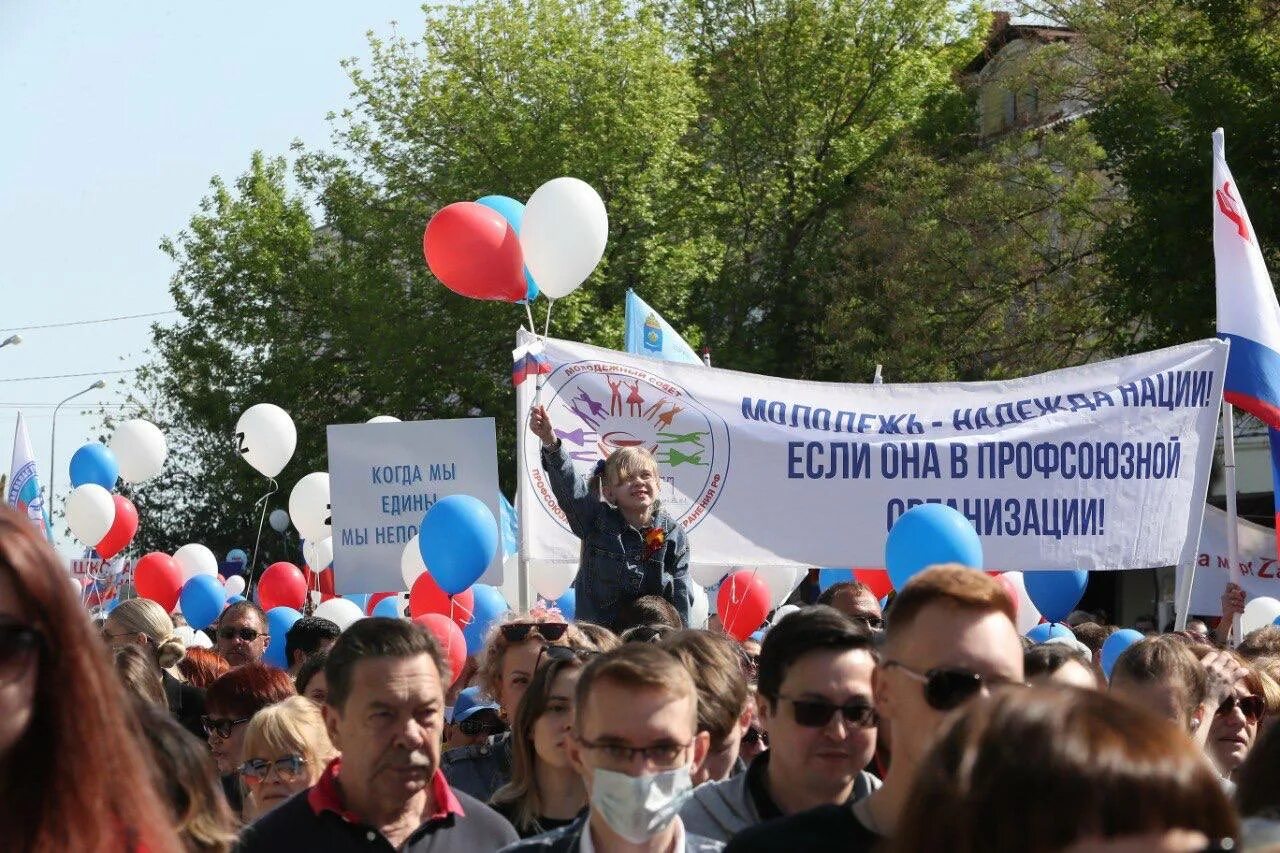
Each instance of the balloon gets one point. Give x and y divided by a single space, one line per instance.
449 637
513 212
831 577
1056 593
319 584
458 538
488 606
783 612
266 438
90 512
237 555
140 448
123 528
158 577
392 608
427 597
234 585
196 559
319 555
742 603
202 600
309 507
279 621
383 419
94 463
926 535
567 604
279 520
1047 631
1028 615
781 580
1115 646
563 235
698 606
411 565
707 574
876 580
282 585
1259 612
550 580
474 252
342 612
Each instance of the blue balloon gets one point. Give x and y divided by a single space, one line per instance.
360 598
237 555
94 463
236 599
1115 646
1055 594
202 599
490 606
513 212
458 538
567 604
831 577
279 621
391 607
1046 631
926 535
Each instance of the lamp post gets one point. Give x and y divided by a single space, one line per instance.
12 339
53 433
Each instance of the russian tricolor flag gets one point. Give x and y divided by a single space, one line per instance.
1248 314
528 360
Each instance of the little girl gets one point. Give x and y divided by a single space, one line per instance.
630 546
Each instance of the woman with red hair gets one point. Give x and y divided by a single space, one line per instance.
229 705
72 765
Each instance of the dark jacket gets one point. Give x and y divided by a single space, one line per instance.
479 770
568 839
186 703
613 568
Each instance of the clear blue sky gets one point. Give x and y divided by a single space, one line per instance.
115 117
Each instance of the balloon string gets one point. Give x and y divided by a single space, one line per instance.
546 329
533 327
275 487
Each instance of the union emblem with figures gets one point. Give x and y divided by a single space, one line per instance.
598 407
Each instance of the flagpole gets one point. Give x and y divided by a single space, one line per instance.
1233 527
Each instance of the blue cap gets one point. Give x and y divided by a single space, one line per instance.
470 702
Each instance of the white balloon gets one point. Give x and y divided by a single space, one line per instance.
550 580
1028 615
383 419
708 575
563 235
309 506
90 513
279 520
341 611
699 606
411 564
319 554
783 611
781 581
196 559
1258 613
234 585
266 438
201 641
140 449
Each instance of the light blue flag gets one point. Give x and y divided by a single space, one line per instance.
648 334
510 526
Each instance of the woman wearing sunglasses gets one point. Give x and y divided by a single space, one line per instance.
230 704
545 791
286 748
72 769
1233 727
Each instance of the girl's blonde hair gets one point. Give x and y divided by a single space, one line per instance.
144 616
294 725
621 464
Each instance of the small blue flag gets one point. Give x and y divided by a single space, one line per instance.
648 334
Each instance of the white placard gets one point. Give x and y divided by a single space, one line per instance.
1259 573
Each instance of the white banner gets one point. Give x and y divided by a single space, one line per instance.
1104 466
382 480
1258 569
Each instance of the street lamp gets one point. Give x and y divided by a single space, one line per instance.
53 432
12 339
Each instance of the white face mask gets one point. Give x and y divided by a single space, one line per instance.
639 807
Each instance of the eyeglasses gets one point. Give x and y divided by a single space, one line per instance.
550 653
875 623
1251 706
289 769
472 727
946 688
18 646
661 755
247 634
816 713
516 632
753 735
221 726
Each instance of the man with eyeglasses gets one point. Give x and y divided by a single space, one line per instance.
950 639
815 702
635 744
242 634
855 600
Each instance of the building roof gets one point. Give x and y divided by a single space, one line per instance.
1007 27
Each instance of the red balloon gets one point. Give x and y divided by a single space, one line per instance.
451 640
877 580
742 604
375 598
1009 590
427 597
475 253
282 585
122 529
321 582
159 578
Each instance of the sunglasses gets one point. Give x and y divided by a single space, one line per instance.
221 726
471 728
947 688
563 653
516 632
1251 706
246 634
289 769
18 646
816 713
753 736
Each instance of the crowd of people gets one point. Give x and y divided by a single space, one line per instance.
930 726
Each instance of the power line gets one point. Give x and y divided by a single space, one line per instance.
68 375
88 322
